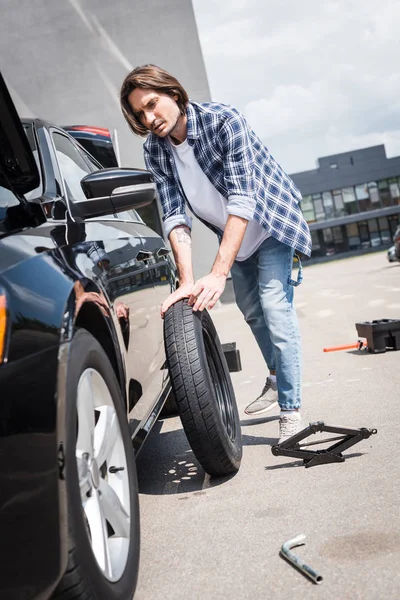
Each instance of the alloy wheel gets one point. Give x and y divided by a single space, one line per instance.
103 475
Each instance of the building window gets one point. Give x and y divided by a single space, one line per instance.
308 209
384 193
384 229
328 241
353 237
318 206
316 244
339 239
375 236
374 194
338 202
393 221
327 201
364 234
394 191
350 202
363 198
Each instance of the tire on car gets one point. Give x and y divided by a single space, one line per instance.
101 482
203 389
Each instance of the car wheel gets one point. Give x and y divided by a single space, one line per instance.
203 389
101 483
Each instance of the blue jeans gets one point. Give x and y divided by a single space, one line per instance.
264 289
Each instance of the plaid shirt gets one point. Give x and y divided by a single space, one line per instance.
241 169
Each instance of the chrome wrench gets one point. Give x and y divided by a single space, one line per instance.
297 562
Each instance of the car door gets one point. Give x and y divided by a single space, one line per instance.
112 253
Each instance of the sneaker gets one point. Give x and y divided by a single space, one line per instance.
266 400
289 425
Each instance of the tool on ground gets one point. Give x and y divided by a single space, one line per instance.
347 438
297 562
381 334
359 346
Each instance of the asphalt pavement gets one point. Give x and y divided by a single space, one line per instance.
206 538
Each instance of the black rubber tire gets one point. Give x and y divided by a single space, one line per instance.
83 579
203 389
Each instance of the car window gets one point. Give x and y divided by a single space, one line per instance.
37 192
73 167
93 163
7 199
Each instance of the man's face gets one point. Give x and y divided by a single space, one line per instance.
158 112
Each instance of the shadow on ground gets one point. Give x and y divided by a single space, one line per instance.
300 463
167 465
366 353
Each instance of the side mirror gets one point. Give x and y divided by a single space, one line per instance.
113 191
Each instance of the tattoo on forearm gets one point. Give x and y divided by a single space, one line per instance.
183 235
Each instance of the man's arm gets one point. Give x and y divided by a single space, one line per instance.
207 290
181 243
235 229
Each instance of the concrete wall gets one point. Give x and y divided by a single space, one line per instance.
64 61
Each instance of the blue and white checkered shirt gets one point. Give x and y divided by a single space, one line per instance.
239 166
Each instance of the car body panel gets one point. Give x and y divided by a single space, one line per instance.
39 288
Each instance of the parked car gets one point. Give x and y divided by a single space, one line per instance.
391 254
85 364
97 141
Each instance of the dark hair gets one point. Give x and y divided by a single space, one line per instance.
149 77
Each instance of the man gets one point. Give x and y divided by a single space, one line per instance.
206 156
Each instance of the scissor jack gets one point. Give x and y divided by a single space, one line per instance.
348 437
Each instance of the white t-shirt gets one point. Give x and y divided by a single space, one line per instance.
207 202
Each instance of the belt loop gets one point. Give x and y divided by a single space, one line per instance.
300 271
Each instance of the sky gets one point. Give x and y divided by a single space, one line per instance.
313 77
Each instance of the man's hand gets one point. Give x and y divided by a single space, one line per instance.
121 310
183 291
207 291
94 297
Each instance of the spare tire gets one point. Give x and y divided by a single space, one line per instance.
203 389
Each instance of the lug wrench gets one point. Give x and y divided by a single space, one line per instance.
297 562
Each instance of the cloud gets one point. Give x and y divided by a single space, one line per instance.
296 108
311 76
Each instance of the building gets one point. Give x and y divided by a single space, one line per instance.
351 201
65 62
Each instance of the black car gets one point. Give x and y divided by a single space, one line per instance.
97 141
86 364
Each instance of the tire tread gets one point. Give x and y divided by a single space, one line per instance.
195 400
